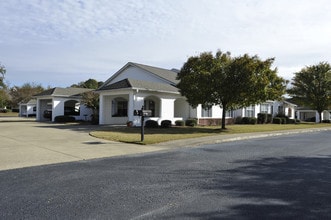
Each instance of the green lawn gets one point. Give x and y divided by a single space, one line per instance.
157 135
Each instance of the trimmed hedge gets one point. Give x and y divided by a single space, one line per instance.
166 124
263 118
191 122
64 118
277 120
179 123
238 120
248 120
151 124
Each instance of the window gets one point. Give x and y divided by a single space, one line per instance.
280 110
264 108
150 105
229 114
249 112
120 107
206 112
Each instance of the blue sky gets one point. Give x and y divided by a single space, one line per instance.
62 42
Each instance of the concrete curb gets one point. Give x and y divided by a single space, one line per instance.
209 140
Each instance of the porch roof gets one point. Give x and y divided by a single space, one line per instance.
140 84
65 92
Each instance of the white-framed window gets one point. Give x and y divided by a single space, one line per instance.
264 108
120 107
206 112
150 105
250 111
229 114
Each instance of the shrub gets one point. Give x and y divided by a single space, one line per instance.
261 118
166 124
64 118
252 121
4 110
325 121
151 124
246 120
290 121
179 123
191 122
276 120
264 118
238 120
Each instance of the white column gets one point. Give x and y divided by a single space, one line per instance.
131 106
101 110
167 109
38 116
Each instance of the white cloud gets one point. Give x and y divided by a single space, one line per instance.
73 39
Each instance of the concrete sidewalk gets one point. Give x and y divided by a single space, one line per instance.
28 143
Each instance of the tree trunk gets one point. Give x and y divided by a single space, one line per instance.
320 114
223 116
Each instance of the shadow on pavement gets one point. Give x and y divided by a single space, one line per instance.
274 188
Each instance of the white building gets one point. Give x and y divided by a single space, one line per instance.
28 109
136 85
61 101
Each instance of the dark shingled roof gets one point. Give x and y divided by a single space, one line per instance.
140 84
67 92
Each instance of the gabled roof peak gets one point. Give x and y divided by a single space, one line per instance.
166 75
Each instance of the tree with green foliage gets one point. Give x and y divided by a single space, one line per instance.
90 99
2 76
88 84
4 98
230 82
312 87
24 93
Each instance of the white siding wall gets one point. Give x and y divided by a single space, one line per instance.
58 107
136 73
167 108
181 108
217 111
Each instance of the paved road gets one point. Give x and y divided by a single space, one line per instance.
24 143
284 177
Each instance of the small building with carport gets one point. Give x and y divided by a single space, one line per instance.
61 101
28 109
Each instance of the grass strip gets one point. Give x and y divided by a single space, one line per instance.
158 135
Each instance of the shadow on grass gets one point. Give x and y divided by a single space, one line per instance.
271 188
